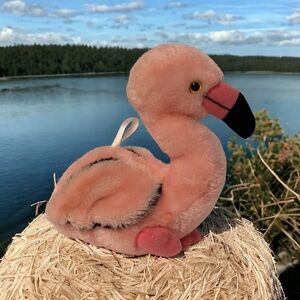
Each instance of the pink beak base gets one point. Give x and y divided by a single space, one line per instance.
228 104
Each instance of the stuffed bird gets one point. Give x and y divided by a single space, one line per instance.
125 199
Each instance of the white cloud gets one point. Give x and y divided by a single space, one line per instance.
10 36
123 20
92 24
141 39
64 13
275 37
294 18
175 4
132 42
226 37
19 7
140 45
6 33
103 8
211 16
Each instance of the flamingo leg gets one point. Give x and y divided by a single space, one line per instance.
159 241
192 238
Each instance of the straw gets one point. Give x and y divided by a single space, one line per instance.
232 262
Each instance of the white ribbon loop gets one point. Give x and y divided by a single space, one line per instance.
127 128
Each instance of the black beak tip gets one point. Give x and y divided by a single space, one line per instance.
240 118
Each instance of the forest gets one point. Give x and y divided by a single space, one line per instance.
28 60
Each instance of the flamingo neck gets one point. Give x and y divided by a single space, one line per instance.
179 135
197 171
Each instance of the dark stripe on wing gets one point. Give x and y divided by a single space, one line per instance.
101 160
133 151
140 215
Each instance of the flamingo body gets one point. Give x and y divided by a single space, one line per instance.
126 200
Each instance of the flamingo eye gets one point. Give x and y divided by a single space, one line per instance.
195 86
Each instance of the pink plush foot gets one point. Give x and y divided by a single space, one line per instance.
192 238
159 241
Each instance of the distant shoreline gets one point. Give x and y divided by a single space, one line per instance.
96 74
68 75
263 72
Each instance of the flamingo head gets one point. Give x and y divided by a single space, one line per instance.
178 79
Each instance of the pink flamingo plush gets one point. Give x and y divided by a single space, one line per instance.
126 200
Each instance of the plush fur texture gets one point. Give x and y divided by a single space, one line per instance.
128 201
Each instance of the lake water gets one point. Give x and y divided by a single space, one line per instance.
45 124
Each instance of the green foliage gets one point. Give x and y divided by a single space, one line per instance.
254 192
257 63
57 59
26 60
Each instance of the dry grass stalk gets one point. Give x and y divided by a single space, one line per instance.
263 185
276 176
232 262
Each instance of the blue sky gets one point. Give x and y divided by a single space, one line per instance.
218 27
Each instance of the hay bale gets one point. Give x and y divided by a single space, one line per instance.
232 262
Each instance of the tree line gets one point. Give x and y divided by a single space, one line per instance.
65 59
29 60
232 63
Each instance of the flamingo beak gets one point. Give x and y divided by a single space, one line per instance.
228 104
